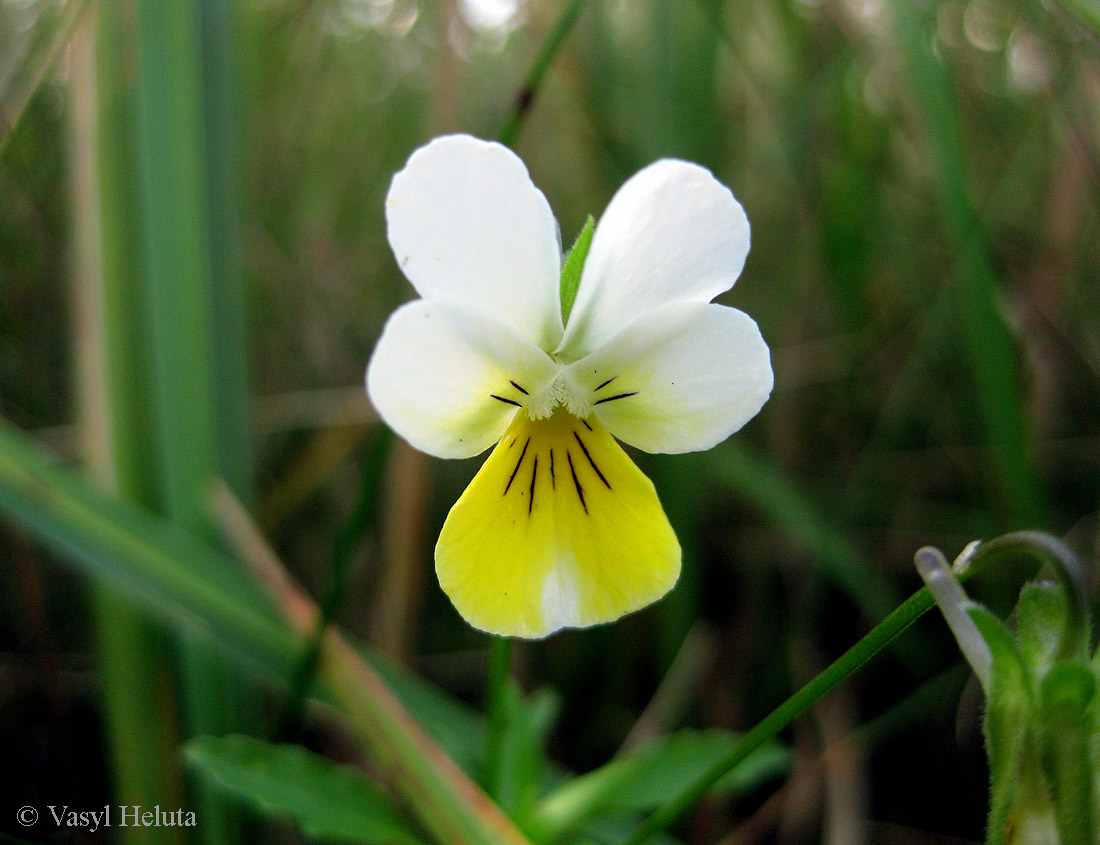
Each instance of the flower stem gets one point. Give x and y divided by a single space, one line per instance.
527 93
904 615
1065 567
500 659
1040 545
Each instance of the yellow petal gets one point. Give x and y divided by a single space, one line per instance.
558 529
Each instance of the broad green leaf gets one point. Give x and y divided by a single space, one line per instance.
573 267
643 781
328 802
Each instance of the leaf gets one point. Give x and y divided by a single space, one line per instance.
523 761
573 267
326 801
643 781
189 584
613 829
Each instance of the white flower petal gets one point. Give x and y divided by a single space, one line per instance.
449 380
680 379
672 233
466 224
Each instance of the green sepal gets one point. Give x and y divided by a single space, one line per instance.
326 801
1009 705
1067 725
1042 621
572 268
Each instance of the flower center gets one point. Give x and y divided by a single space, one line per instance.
561 393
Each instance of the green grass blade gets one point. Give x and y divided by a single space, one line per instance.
183 581
176 254
134 656
190 358
230 323
530 89
789 508
136 668
983 331
42 44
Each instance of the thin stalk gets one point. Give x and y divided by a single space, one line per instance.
230 324
500 659
902 617
874 641
526 96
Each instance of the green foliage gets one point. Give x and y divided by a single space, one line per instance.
327 802
185 582
524 768
573 266
643 780
921 183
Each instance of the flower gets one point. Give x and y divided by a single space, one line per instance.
559 528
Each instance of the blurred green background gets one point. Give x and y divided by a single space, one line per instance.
922 182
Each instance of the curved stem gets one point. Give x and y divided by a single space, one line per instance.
1067 569
954 605
904 615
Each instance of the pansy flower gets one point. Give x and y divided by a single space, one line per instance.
559 528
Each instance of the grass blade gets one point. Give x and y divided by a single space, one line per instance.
133 653
526 96
196 359
47 38
446 801
984 334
